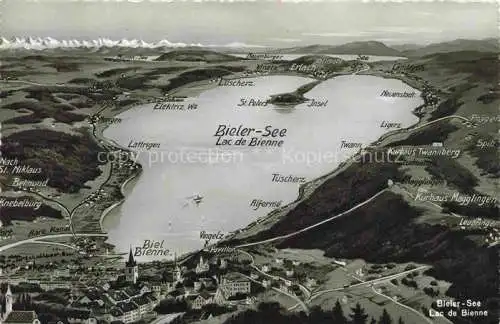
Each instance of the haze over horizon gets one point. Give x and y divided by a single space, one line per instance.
270 24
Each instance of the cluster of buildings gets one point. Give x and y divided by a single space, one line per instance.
493 237
429 96
135 300
95 197
127 305
284 276
123 295
221 290
429 93
122 160
6 234
10 316
128 297
125 300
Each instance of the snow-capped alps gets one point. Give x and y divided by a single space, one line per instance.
41 43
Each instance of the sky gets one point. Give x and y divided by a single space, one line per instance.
266 23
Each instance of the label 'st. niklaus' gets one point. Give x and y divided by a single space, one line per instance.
25 169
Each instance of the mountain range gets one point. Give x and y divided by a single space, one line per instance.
366 48
481 45
106 44
407 50
140 47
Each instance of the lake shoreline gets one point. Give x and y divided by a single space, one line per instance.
123 190
207 86
311 185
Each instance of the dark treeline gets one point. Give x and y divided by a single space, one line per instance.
487 158
472 210
68 161
9 214
385 230
453 173
194 76
427 135
272 313
357 183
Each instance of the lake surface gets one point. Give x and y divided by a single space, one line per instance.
291 57
346 57
159 206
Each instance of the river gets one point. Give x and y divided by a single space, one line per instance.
160 205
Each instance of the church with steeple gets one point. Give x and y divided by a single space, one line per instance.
5 302
131 269
202 266
10 316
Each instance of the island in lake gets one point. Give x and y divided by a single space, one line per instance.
291 99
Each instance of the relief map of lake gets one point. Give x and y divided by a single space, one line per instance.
192 183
